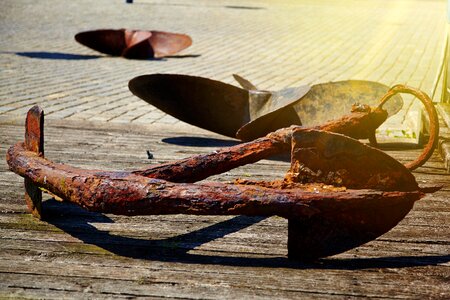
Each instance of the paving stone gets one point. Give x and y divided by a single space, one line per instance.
276 44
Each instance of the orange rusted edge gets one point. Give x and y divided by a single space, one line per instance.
433 119
34 141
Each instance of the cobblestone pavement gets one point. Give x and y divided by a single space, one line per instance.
272 43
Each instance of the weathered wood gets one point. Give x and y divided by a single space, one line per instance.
77 254
324 220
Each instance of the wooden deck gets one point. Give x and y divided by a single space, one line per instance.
76 254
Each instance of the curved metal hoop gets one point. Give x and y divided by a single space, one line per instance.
433 118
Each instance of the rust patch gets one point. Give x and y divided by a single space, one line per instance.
330 207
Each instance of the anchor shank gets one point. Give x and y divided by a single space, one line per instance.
129 194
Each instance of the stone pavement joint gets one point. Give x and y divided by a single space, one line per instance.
277 44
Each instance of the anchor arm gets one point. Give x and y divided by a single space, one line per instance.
199 167
323 220
129 194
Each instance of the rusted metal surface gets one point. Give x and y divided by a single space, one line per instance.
337 160
134 44
323 219
433 128
34 142
249 113
129 194
335 232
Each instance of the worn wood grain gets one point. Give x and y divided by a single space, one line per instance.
77 254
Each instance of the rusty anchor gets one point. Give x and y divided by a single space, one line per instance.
331 205
134 44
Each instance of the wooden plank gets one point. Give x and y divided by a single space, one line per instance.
244 280
77 254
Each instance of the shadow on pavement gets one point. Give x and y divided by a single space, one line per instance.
193 141
243 7
183 56
56 55
69 56
204 5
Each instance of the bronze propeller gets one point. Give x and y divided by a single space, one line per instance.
136 44
248 113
